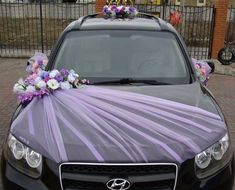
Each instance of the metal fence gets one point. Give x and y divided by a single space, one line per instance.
196 28
231 25
29 27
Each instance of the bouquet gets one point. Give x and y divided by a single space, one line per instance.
40 82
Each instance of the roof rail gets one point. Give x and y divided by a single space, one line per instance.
161 23
150 16
82 19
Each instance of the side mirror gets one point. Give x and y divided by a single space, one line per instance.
211 65
203 68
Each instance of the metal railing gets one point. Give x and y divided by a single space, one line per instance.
196 27
29 27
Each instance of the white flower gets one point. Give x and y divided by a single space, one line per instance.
113 14
127 10
37 80
73 72
120 7
53 73
71 78
18 88
45 61
41 84
21 81
30 88
65 85
53 84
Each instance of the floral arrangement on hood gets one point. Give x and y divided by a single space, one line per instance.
118 10
202 70
40 82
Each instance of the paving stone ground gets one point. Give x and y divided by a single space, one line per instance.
223 88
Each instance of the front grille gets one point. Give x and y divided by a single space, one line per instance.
95 176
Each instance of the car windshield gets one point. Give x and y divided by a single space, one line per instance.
107 55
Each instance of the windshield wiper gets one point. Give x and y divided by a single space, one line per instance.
130 81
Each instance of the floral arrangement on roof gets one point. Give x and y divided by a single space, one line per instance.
202 70
40 82
120 10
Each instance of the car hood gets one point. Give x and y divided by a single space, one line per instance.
190 94
124 124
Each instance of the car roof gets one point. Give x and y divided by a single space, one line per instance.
144 22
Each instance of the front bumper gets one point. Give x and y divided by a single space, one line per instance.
12 179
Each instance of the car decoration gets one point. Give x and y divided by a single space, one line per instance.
119 10
40 82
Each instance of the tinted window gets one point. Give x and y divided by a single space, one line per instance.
99 55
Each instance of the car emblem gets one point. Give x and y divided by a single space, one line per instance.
118 184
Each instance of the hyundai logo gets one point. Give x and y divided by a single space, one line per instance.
118 184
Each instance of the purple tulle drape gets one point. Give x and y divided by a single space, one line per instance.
94 124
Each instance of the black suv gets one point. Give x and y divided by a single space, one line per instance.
145 56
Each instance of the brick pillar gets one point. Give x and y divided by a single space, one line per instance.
99 4
220 26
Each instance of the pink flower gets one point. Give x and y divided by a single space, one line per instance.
47 78
34 65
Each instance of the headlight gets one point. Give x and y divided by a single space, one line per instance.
212 159
203 159
17 148
23 158
33 158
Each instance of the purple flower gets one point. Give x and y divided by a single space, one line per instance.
64 72
40 62
105 9
132 9
41 92
25 97
29 69
59 78
29 81
44 74
114 8
121 11
47 79
41 82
